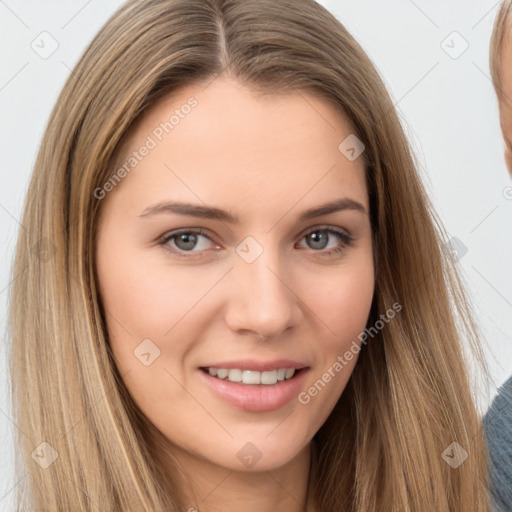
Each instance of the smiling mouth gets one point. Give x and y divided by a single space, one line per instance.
240 376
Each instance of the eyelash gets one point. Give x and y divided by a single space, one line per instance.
346 240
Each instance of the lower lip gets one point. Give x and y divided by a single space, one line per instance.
257 397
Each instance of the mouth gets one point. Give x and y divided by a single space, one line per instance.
252 377
254 390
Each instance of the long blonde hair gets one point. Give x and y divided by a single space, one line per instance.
409 397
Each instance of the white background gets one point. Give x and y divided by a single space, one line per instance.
447 106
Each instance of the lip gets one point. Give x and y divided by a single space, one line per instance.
260 366
256 397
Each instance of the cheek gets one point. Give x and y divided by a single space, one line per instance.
152 308
342 300
141 300
138 305
343 305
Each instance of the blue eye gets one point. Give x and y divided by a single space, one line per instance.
319 237
189 241
185 240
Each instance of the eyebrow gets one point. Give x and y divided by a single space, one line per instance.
208 212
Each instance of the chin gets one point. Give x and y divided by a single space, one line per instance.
255 455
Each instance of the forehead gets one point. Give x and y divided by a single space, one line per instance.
238 145
243 111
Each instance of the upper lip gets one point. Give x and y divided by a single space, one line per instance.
261 366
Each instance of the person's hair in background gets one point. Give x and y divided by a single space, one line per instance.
501 25
500 52
409 397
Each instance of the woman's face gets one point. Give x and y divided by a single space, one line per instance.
253 175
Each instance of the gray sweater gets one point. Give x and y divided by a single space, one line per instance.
498 432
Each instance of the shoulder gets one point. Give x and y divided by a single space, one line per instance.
498 432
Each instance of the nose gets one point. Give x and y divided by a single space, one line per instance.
262 299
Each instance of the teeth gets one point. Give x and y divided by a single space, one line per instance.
289 373
252 376
235 375
222 373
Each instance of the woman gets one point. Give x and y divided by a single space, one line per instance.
265 370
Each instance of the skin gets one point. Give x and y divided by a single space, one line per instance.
505 104
265 159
